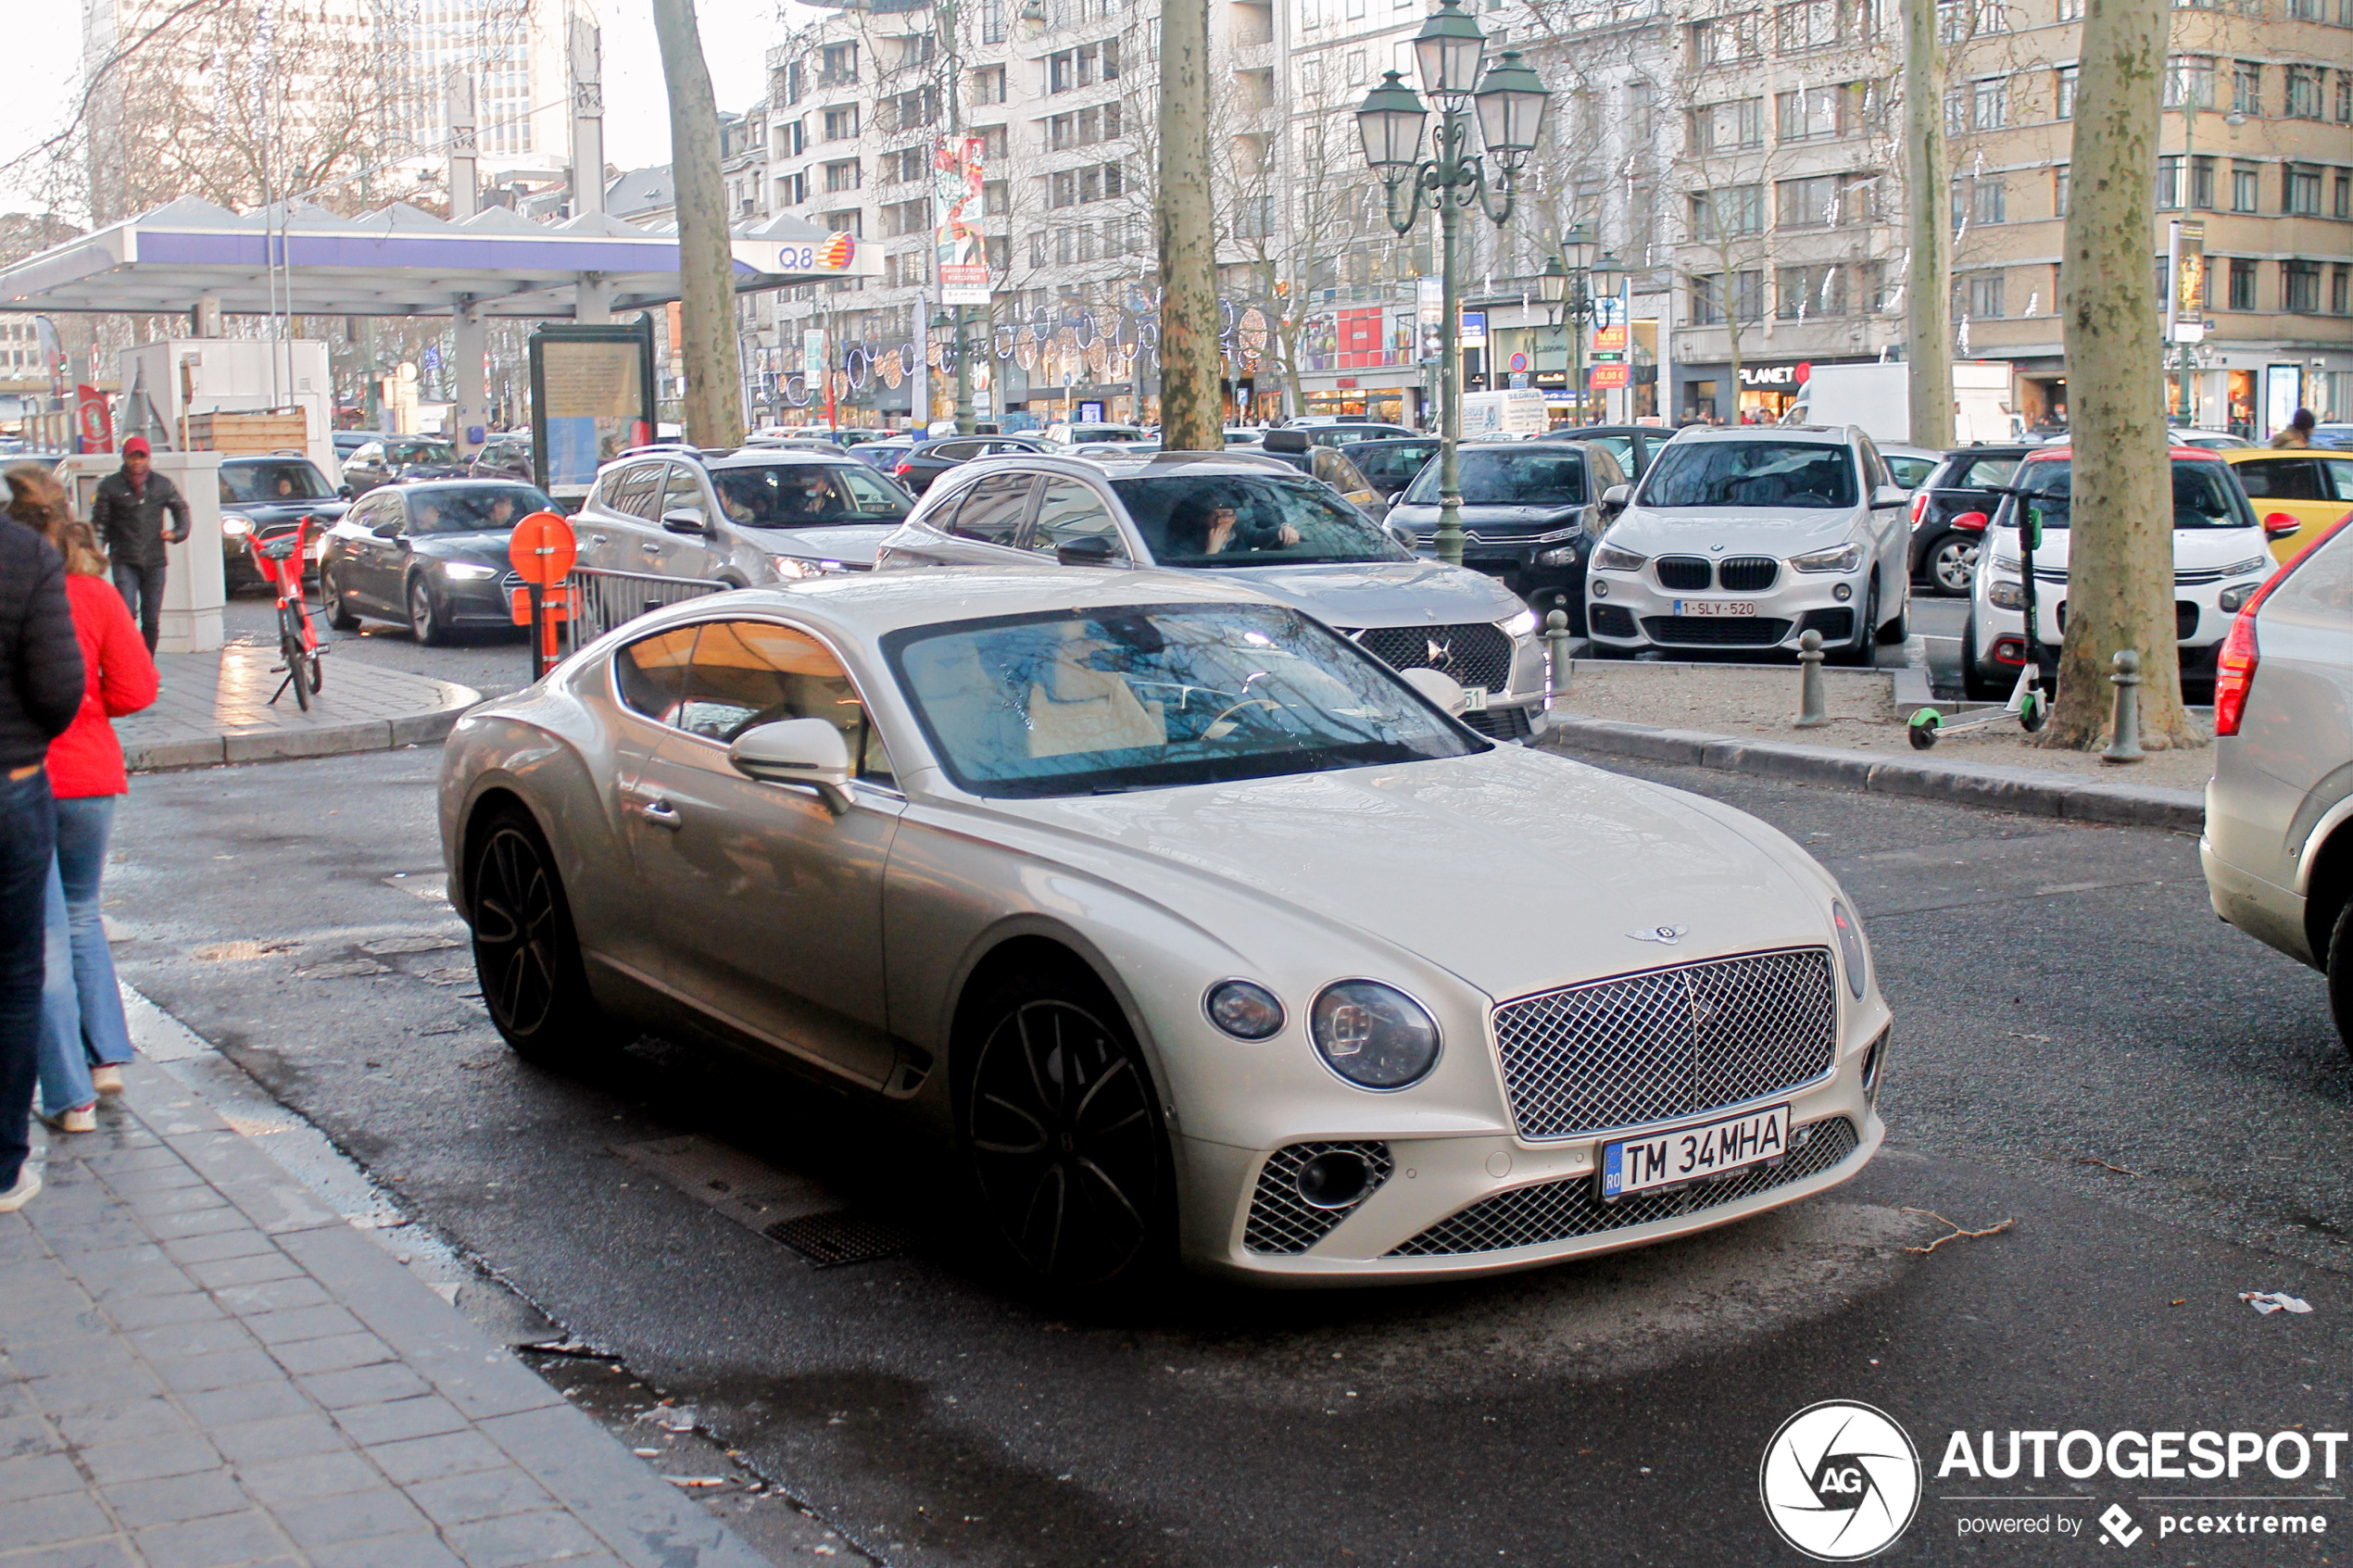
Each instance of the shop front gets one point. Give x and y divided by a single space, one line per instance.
1758 394
1346 398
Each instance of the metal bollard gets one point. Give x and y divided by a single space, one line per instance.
1560 666
1812 714
2126 744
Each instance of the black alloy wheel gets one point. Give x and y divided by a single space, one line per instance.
1064 1137
525 952
1952 562
424 616
1859 651
331 600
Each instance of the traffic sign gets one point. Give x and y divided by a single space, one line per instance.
543 548
1519 361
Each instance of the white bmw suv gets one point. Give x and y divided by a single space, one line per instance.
1751 538
2220 556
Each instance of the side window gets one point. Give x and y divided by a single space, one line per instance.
372 453
633 490
994 509
1071 510
2339 475
748 672
956 451
680 488
652 673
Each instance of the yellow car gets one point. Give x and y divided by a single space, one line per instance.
2313 486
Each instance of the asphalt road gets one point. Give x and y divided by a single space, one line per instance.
2158 1105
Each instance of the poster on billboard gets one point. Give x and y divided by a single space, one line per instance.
592 395
2186 315
962 266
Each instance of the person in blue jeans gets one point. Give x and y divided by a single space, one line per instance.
41 690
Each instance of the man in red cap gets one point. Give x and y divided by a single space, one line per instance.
127 512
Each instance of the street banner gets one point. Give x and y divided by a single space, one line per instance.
1429 311
1610 340
2185 312
956 173
1473 333
93 420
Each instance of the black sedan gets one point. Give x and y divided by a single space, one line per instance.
506 457
1531 513
927 460
430 556
263 498
1944 556
388 458
1389 465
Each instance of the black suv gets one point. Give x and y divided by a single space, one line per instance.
1390 464
1532 511
1944 556
927 460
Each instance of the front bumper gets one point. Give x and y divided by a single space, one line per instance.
481 602
1631 611
1459 1207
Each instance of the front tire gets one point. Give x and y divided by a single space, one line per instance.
526 952
1897 629
1866 635
1062 1127
331 600
424 616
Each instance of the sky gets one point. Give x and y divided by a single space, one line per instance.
45 40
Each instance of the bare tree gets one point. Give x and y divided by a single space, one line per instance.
706 264
1190 411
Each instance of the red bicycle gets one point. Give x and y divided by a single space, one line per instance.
279 559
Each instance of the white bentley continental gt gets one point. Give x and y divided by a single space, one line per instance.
1198 930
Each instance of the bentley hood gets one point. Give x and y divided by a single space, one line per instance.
1517 871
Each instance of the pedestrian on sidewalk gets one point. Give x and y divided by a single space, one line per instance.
41 690
128 513
84 1038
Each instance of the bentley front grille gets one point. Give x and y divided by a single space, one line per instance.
1531 1216
1639 1048
1476 655
1282 1221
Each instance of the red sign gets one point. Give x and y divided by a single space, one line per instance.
1609 340
93 420
1805 373
1360 338
1608 376
541 548
554 603
1347 383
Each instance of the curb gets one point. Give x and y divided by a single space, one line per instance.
2030 790
423 728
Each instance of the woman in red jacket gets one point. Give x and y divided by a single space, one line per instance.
83 1024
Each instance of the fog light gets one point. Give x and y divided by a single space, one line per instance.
1334 1179
1843 592
1601 589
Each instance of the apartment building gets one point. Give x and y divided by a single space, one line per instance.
2255 147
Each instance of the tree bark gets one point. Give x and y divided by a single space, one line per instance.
706 265
2120 590
1928 292
1192 413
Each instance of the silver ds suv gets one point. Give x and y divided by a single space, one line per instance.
749 517
2278 848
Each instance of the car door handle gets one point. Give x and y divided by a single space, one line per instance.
595 539
650 548
662 813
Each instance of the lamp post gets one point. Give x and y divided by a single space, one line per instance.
1510 107
1574 283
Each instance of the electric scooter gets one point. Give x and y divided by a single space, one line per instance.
2029 701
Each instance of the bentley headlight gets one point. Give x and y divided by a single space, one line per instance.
1372 1035
1518 626
1244 1010
1844 558
1609 557
2007 593
1850 948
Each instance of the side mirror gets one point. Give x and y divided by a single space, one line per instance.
1888 495
1094 549
1285 441
1616 497
684 519
1404 535
2280 525
386 529
1971 523
344 491
1436 685
795 751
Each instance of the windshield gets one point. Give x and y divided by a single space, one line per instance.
1983 471
807 495
478 509
261 483
1908 472
2205 495
1235 519
421 452
1750 474
1548 477
1156 697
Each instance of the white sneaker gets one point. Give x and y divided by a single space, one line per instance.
81 1119
107 1080
17 1196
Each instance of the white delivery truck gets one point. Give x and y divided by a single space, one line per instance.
1878 399
1519 412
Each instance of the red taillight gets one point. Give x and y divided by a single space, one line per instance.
1919 506
902 467
2234 670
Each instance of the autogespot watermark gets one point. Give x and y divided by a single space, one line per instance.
1841 1481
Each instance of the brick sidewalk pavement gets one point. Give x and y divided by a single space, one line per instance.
201 1365
215 708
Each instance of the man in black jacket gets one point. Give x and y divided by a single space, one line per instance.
128 513
41 687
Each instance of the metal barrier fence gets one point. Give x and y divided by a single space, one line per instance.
602 600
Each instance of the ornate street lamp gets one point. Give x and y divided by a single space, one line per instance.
1508 104
1576 278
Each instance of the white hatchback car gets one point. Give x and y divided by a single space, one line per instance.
2220 556
1178 914
1750 538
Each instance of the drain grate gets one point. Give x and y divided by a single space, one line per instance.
836 1237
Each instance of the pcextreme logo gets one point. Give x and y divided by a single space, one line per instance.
1840 1480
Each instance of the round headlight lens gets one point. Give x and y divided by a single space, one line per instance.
237 527
1850 946
1374 1035
1245 1010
